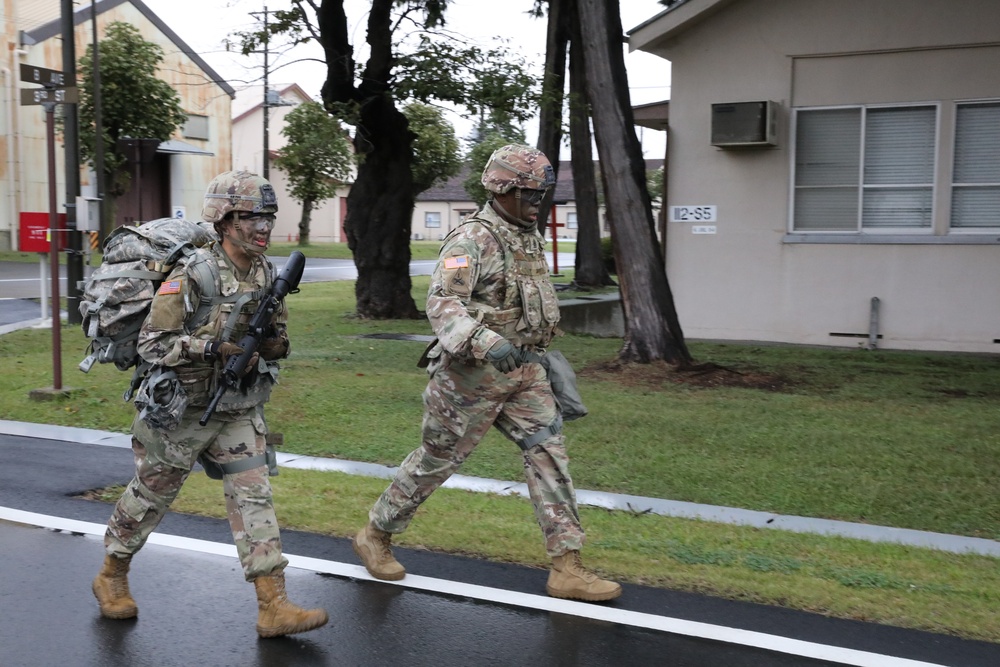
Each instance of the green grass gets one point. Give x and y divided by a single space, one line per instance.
901 439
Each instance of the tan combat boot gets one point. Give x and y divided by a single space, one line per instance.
570 579
277 616
372 547
111 589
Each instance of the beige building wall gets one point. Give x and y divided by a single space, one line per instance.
23 146
248 153
754 280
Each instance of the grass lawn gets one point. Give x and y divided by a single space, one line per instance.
910 440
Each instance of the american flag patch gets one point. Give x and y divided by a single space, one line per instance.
170 287
456 262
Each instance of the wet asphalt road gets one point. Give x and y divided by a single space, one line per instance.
195 607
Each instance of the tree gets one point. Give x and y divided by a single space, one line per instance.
423 64
652 329
591 270
134 103
435 148
317 158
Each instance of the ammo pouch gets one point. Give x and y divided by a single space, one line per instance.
563 381
161 399
269 458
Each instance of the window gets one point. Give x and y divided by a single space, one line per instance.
975 193
432 219
196 127
864 169
571 220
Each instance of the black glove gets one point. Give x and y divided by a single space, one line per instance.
504 356
223 350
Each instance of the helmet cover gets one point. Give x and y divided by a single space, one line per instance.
516 166
238 191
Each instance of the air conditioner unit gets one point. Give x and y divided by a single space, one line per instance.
417 237
744 124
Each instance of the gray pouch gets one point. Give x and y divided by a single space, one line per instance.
563 381
161 399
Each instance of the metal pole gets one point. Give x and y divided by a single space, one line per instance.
50 136
71 138
555 243
105 228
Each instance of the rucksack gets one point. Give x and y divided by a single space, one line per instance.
115 299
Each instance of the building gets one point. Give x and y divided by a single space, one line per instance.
833 171
327 219
168 179
442 208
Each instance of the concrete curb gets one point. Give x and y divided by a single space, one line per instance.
612 501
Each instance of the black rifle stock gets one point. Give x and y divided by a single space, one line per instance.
287 282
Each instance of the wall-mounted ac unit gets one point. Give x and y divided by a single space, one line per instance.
744 124
417 237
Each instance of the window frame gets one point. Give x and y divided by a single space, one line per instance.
952 183
427 219
861 187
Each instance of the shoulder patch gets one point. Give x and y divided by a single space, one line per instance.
170 287
459 262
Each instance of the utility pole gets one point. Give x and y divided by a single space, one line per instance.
266 106
71 136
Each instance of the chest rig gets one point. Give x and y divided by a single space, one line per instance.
227 320
529 309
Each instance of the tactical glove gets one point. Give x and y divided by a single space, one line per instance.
223 350
504 356
272 349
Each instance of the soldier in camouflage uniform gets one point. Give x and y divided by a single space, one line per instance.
187 359
489 303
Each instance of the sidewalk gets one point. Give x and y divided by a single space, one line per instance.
611 501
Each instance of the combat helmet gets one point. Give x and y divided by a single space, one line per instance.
237 191
517 166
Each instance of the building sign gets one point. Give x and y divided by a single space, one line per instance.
703 213
35 234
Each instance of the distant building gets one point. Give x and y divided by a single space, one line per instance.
440 209
327 220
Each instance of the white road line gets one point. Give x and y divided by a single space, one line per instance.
676 626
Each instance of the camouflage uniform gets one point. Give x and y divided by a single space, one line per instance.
164 458
490 283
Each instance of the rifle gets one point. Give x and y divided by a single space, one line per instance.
286 283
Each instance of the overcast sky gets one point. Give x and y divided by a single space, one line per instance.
205 29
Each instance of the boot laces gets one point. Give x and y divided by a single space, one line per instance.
119 580
576 566
382 542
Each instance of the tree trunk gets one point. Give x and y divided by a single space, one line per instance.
379 215
652 329
305 220
590 269
550 114
380 205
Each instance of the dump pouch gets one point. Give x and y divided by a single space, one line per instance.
563 381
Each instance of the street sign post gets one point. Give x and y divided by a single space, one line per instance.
53 91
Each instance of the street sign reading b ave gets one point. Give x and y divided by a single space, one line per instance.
46 77
50 95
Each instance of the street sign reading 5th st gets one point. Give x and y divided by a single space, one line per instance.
49 95
43 76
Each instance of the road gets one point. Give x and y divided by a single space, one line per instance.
23 280
195 607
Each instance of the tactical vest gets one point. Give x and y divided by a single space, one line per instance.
530 309
227 321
